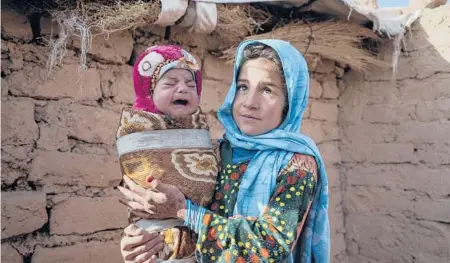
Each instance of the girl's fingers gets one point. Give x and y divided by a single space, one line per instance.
132 196
133 186
133 205
158 198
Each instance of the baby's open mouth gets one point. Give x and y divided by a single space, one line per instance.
180 102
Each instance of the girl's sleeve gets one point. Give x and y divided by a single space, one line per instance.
270 237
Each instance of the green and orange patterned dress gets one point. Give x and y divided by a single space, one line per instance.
268 238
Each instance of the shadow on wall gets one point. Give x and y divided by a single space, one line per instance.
396 152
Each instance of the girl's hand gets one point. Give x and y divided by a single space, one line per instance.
139 246
159 201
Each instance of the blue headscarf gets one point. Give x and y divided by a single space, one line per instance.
270 152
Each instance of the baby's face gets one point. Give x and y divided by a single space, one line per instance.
175 93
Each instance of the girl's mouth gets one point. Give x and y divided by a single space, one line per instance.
249 117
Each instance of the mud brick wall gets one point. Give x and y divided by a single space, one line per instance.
395 148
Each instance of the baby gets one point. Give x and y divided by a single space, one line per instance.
165 136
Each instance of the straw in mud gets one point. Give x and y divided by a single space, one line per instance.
237 21
333 40
86 18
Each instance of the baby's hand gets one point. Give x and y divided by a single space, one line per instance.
140 246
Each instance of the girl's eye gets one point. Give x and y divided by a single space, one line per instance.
267 90
241 88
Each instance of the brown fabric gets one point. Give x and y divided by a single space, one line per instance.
184 168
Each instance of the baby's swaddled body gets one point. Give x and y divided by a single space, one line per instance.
174 150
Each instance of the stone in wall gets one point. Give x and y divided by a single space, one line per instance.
10 255
339 71
325 66
427 111
433 210
99 252
434 88
97 149
320 131
92 124
53 137
313 129
62 119
15 164
330 88
67 82
331 131
428 132
115 48
117 83
22 212
433 154
18 125
337 230
379 201
391 113
11 175
363 133
404 176
383 238
208 42
15 26
83 215
216 129
216 69
213 95
326 111
330 152
315 88
378 152
378 93
334 181
52 121
64 168
17 154
307 113
12 58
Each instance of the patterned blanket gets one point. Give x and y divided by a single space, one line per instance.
175 150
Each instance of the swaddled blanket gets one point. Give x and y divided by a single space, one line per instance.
175 150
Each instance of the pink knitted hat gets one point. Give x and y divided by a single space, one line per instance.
152 64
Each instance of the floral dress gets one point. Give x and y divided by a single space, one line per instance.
268 238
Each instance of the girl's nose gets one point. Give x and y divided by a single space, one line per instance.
251 100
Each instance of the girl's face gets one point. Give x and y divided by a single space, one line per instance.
175 93
260 97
